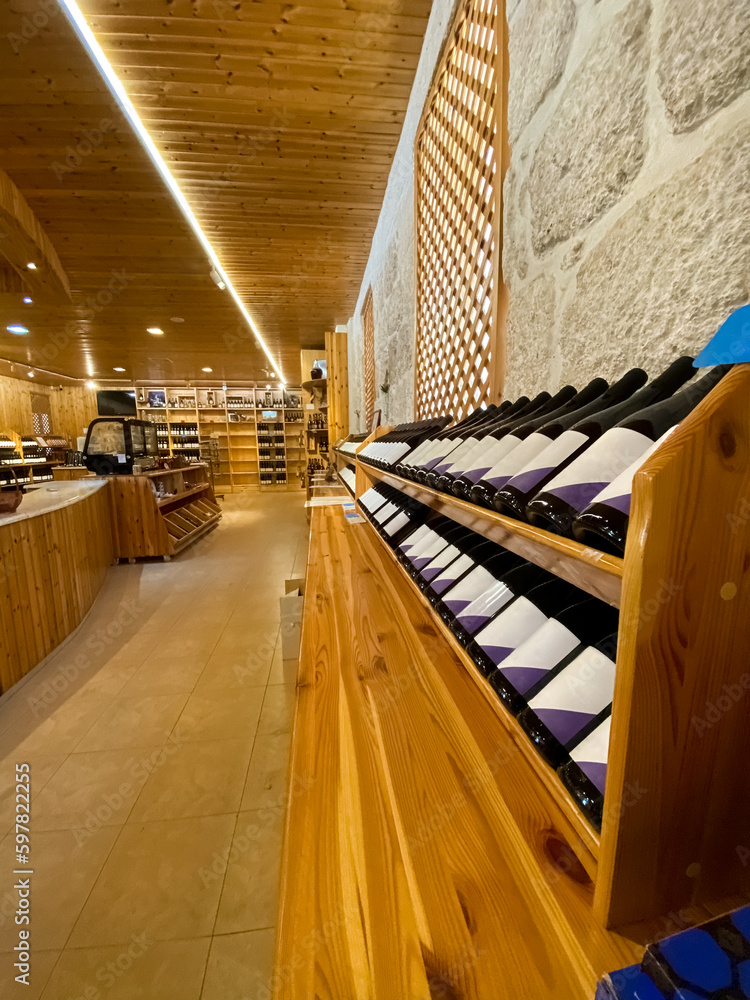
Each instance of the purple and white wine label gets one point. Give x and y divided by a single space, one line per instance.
428 552
592 752
421 451
479 612
415 538
442 455
506 446
439 562
382 515
464 457
472 586
576 695
492 451
541 652
397 523
511 627
546 460
619 492
371 500
598 466
462 448
520 456
449 573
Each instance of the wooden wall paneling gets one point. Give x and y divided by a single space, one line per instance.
53 566
676 818
337 354
15 406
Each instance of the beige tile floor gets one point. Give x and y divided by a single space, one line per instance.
159 738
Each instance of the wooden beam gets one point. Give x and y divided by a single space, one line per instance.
23 239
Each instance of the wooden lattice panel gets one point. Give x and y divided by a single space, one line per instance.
368 322
456 205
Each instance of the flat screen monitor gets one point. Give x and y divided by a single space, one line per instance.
116 403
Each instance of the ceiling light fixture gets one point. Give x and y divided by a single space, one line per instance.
155 331
86 35
30 374
218 279
18 330
176 319
206 369
27 300
118 369
31 265
91 385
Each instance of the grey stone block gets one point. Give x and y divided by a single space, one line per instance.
597 142
669 272
539 41
530 344
705 59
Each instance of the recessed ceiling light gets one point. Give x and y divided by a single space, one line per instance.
18 330
118 369
31 265
27 300
156 331
176 319
207 369
91 385
31 374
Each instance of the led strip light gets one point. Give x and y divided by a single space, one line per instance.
86 35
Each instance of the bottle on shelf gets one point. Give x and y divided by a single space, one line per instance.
481 595
437 445
585 774
537 597
567 631
620 436
441 475
570 700
523 437
604 523
518 476
399 442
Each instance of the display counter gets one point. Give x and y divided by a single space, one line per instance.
55 550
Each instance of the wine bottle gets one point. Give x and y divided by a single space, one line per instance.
431 447
585 774
478 429
519 477
527 438
506 583
566 708
502 425
451 565
604 523
574 486
486 575
400 441
445 479
420 537
518 622
451 534
564 633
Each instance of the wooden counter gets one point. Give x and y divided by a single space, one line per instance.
417 863
54 555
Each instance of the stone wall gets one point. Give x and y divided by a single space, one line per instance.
626 235
627 204
391 269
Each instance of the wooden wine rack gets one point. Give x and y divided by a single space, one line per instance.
144 526
676 828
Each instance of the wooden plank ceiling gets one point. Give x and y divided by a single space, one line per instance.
279 121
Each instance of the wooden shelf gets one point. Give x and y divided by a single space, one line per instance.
181 497
595 572
673 811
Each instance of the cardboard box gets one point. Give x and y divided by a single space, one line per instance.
291 618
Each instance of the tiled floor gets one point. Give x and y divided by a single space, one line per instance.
158 739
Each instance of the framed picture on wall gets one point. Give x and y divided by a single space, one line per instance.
375 420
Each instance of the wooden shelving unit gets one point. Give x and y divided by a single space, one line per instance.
214 412
146 525
675 808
